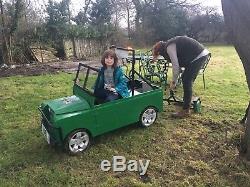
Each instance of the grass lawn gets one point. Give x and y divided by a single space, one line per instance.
199 151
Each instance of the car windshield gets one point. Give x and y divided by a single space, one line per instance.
86 77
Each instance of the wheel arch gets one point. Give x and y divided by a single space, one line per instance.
149 106
85 129
140 117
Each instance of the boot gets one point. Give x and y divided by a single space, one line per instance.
181 114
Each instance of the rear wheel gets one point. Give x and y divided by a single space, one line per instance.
148 116
77 142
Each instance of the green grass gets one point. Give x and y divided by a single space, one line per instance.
199 151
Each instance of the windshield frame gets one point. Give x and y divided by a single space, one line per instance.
88 68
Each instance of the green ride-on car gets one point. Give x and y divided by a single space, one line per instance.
73 121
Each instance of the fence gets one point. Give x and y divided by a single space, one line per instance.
84 48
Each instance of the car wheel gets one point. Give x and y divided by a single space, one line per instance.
77 142
148 116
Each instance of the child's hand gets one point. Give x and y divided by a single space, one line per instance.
113 90
107 86
110 88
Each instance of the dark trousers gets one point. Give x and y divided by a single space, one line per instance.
106 95
188 77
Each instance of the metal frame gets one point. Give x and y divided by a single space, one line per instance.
132 77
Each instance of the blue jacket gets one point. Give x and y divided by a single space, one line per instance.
119 79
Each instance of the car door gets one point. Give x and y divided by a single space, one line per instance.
118 113
105 117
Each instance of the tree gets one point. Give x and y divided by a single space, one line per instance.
82 16
101 13
159 19
100 18
206 27
129 7
13 15
122 11
5 46
237 19
58 15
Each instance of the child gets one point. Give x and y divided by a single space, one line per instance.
111 83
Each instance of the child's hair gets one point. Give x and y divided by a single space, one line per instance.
110 53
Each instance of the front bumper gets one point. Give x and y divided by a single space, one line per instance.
52 134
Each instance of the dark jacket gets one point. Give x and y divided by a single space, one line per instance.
119 79
187 49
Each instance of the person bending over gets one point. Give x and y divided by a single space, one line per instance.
182 51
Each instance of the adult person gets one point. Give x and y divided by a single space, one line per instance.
182 51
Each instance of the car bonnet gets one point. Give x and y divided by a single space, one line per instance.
68 105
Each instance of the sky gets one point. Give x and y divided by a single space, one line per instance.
210 3
216 3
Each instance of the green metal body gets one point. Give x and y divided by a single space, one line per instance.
64 115
60 117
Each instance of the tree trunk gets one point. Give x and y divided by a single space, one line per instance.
10 49
128 19
139 9
5 46
237 19
74 46
71 27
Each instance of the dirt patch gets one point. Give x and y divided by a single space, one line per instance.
39 69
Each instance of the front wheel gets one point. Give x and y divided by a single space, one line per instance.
77 142
148 116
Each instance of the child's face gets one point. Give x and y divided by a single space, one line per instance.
109 61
